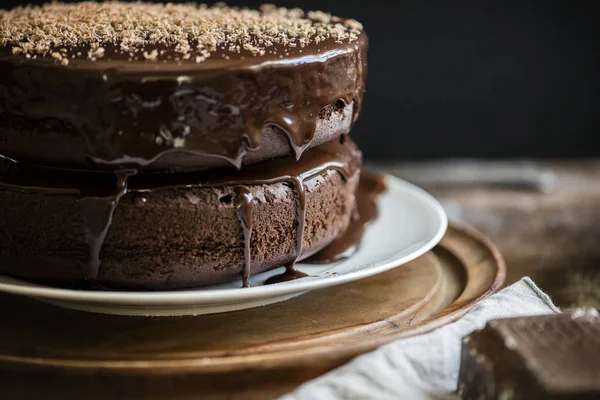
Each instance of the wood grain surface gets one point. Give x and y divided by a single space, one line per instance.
46 351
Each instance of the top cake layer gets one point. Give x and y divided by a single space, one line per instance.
109 84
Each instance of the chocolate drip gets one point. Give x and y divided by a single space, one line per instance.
290 274
371 185
243 206
300 215
99 194
97 215
119 113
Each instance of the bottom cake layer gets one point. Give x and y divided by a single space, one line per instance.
182 234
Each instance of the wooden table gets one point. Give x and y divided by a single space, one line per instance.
552 237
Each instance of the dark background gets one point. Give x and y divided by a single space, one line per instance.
475 79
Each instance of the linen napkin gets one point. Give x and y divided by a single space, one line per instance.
425 366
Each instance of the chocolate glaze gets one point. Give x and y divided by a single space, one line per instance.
132 113
243 205
99 192
97 215
300 212
371 185
290 274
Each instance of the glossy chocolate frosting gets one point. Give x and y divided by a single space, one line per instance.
371 185
168 113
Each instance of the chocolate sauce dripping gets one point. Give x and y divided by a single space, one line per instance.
298 184
97 197
243 206
299 129
290 268
289 274
339 155
137 112
371 185
97 215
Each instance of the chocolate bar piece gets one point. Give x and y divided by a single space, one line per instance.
543 357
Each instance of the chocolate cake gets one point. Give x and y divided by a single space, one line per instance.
151 146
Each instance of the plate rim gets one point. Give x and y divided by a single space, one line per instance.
218 296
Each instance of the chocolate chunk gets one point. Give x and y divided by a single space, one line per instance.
543 357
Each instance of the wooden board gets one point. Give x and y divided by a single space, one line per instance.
46 351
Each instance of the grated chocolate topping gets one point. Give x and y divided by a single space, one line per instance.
160 32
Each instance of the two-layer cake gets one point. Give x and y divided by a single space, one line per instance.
150 146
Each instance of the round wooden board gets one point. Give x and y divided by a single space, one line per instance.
46 351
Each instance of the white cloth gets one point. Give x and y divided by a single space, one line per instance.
425 366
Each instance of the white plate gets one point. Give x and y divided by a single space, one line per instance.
410 223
